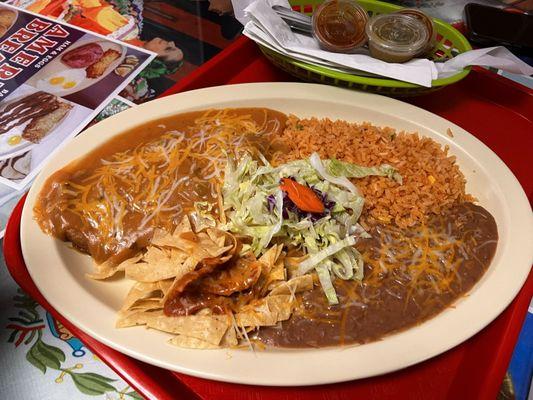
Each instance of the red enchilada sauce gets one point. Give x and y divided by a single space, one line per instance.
108 202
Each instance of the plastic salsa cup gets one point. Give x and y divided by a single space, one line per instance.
396 38
412 12
339 25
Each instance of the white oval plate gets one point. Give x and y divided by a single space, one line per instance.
58 271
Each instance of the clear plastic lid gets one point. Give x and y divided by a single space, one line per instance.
413 12
432 30
339 25
398 33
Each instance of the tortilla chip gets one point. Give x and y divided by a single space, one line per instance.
265 312
230 338
163 238
270 257
165 285
183 226
147 305
159 271
277 273
175 239
103 271
295 285
214 242
209 328
203 245
140 291
133 318
189 342
170 256
108 268
215 236
188 266
158 264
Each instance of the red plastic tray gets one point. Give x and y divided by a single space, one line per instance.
492 108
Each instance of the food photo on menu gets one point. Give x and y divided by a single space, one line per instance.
55 80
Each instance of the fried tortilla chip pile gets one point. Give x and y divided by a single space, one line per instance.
198 287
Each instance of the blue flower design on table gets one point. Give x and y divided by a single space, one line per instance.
60 332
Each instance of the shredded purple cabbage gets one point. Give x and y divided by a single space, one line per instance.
328 204
271 201
289 206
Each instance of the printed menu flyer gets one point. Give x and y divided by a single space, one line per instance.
54 80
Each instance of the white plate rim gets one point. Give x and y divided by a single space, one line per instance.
380 358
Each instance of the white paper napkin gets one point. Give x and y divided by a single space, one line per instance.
497 57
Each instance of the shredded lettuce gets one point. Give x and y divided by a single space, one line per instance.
344 169
323 172
202 217
312 261
255 206
278 211
324 277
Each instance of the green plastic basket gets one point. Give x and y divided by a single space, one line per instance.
450 42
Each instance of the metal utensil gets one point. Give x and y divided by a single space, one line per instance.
297 21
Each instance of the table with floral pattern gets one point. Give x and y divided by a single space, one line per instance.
41 359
